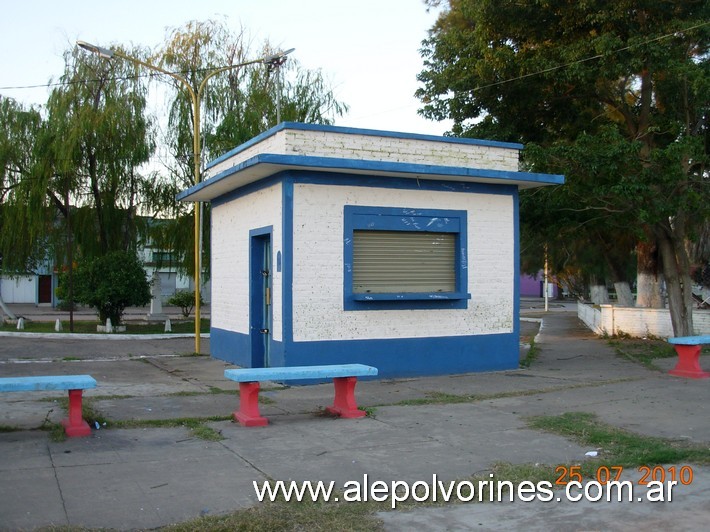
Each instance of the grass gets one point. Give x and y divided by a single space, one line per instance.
644 352
441 398
89 327
370 411
622 447
531 355
196 425
270 517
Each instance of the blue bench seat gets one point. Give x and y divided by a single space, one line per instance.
690 340
344 379
74 425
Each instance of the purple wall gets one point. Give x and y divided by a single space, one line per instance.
531 285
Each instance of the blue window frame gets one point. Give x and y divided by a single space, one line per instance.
438 232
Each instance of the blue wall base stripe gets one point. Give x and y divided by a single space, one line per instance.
394 358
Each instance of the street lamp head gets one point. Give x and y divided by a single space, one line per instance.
276 60
103 52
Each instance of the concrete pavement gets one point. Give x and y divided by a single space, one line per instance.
143 478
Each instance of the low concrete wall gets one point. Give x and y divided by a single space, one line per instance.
637 322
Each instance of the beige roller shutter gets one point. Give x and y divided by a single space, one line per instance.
403 262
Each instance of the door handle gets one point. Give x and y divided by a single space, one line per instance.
264 331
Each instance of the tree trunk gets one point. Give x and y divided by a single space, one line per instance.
676 268
598 292
624 297
6 310
648 277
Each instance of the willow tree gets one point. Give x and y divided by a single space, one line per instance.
98 136
94 138
81 195
550 72
19 127
237 105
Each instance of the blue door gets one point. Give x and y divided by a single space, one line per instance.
260 299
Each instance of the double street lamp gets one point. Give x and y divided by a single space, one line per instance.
273 61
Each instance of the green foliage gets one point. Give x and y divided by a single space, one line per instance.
621 447
20 249
70 180
614 96
185 299
701 275
72 183
109 284
98 134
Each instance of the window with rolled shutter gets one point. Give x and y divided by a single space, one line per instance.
402 258
403 262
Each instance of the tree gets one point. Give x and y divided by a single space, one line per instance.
557 73
19 127
73 177
238 105
77 182
109 284
598 239
98 136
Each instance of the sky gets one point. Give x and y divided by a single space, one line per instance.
367 50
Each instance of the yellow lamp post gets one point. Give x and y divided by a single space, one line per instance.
196 96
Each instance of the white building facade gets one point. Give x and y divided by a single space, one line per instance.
337 245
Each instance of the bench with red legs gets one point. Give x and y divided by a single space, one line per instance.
74 425
344 378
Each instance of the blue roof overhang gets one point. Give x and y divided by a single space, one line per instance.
265 164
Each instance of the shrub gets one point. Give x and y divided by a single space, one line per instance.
109 284
185 299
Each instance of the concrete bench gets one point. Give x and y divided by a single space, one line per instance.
74 425
688 349
344 378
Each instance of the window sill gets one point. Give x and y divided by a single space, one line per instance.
419 296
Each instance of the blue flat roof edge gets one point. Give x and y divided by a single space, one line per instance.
338 164
360 131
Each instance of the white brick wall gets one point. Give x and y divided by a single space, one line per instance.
402 150
636 322
377 148
272 144
318 266
231 223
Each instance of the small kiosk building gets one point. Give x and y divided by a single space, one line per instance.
334 245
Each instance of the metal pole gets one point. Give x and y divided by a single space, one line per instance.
545 283
198 249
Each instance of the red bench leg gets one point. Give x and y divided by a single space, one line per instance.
74 425
689 362
344 404
248 414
